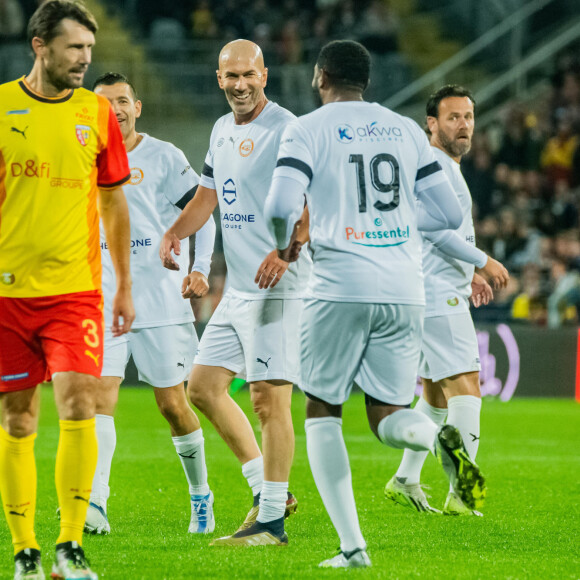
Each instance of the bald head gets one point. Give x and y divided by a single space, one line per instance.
241 51
242 76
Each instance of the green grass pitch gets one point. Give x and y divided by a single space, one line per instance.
529 452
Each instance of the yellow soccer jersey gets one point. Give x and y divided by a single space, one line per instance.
54 155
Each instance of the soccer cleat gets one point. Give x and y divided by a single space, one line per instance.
251 518
455 507
202 519
409 495
463 473
96 521
70 563
27 565
258 534
356 559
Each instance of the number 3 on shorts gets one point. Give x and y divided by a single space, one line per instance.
92 336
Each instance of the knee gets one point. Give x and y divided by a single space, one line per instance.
19 424
171 410
78 406
198 395
262 404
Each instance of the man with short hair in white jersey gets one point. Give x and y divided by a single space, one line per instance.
163 340
372 181
254 328
449 364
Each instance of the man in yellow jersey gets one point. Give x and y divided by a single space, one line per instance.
61 153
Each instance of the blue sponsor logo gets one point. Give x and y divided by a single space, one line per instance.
18 112
234 221
229 192
141 243
17 377
344 133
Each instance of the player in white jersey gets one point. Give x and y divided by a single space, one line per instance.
372 181
449 364
163 340
254 329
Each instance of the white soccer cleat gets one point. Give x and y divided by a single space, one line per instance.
455 507
70 563
202 518
27 565
356 559
410 495
96 521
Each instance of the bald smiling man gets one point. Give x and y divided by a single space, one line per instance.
255 328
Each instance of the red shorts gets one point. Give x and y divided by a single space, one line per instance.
45 335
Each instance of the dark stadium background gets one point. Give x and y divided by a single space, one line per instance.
521 58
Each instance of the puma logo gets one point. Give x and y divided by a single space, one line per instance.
81 498
95 357
264 362
22 515
192 456
15 130
474 437
180 365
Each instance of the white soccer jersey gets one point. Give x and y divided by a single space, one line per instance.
239 166
448 280
363 165
161 178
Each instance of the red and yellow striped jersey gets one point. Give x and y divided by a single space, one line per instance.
54 155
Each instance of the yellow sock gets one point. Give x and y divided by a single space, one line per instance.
76 461
18 488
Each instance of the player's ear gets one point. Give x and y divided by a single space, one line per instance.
264 77
219 79
432 124
38 46
138 107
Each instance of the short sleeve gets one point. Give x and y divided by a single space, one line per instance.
295 158
180 177
112 162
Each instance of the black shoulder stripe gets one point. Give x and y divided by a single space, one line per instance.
296 164
207 171
428 170
186 198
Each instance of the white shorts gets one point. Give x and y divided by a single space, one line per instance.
449 347
259 337
375 345
163 355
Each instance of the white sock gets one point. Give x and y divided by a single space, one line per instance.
253 471
409 429
191 451
410 468
272 501
107 441
331 470
464 412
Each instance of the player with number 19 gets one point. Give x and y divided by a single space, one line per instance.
372 183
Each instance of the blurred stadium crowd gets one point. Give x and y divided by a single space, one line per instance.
523 170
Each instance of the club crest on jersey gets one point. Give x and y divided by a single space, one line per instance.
229 192
7 278
246 147
136 176
344 133
83 134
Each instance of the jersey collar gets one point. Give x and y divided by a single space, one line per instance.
38 97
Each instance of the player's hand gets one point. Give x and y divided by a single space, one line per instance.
169 242
270 271
495 273
195 285
123 312
292 252
481 292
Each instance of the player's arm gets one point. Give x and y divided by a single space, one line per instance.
195 284
276 262
453 245
193 217
115 217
